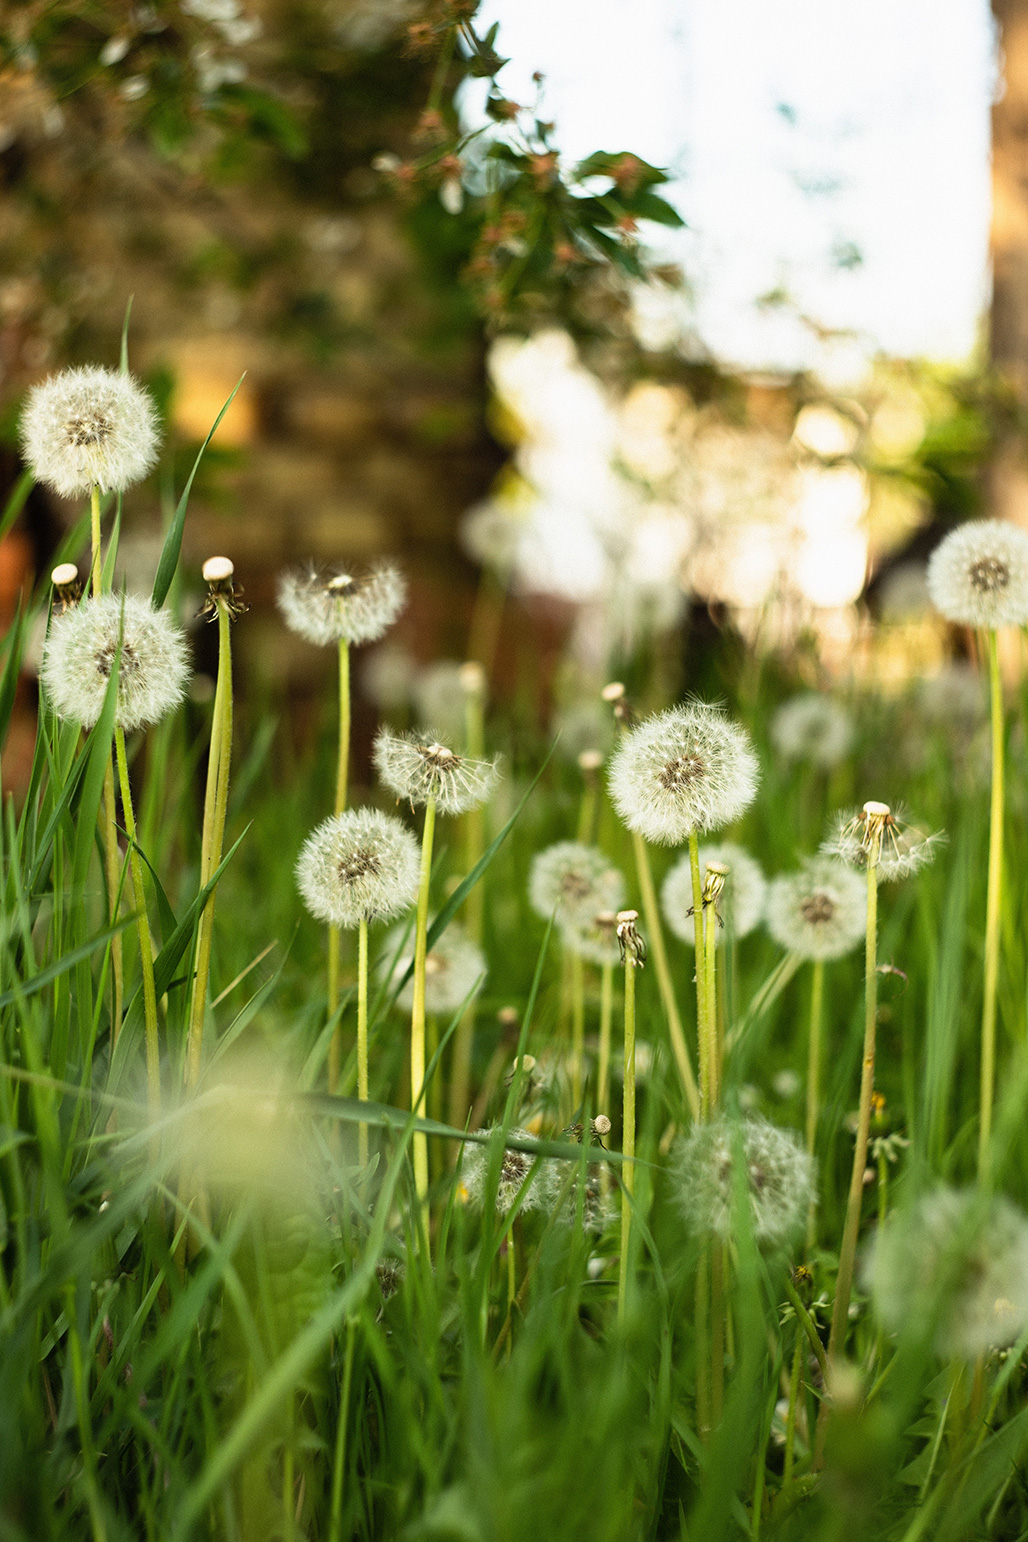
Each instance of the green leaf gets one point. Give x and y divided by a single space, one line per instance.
173 540
16 502
124 335
12 670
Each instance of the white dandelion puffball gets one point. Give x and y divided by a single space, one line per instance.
81 649
687 770
420 771
514 1168
359 865
455 969
339 606
978 575
902 849
89 427
819 912
958 1260
779 1179
812 728
742 901
575 882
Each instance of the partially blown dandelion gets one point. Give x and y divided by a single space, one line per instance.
683 772
901 848
341 607
819 912
422 772
359 865
742 902
81 650
515 1167
978 576
814 728
89 427
779 1178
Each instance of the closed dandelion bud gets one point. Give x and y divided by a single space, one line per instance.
812 728
515 1166
341 607
779 1179
420 771
359 865
574 882
898 848
686 770
80 653
819 912
455 970
89 427
742 902
958 1261
978 576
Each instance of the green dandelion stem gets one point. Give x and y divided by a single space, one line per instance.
95 554
994 896
577 1029
153 1061
658 952
606 1017
817 990
702 1033
715 1044
335 1049
628 1132
362 1032
417 1028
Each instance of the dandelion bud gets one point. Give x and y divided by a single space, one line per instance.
217 570
574 882
714 882
89 427
341 607
741 904
65 579
683 771
422 772
359 865
779 1179
82 646
455 969
978 575
819 912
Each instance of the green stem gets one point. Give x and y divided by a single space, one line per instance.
627 1133
111 851
992 913
215 810
577 1030
417 1026
702 1027
335 1049
702 1318
715 1041
153 1062
362 1034
817 986
851 1228
95 554
474 844
717 1333
606 1016
658 952
790 1418
335 1520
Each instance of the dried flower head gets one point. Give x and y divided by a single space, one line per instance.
875 831
813 728
339 606
359 865
515 1168
958 1260
779 1179
575 882
81 649
89 427
742 901
631 942
978 575
441 694
421 771
819 912
686 770
455 969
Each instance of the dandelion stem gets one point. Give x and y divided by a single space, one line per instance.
335 1049
111 852
702 1034
702 1315
577 1029
606 1016
215 808
153 1064
95 555
715 1045
335 1520
474 845
794 1393
851 1228
628 1131
362 1033
817 986
992 912
655 939
417 1027
717 1332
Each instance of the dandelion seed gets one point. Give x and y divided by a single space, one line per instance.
958 1259
779 1179
89 427
339 606
421 772
576 882
742 904
901 849
455 969
819 912
81 649
359 865
685 771
812 728
515 1167
978 575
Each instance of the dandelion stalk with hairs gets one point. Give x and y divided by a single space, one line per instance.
633 956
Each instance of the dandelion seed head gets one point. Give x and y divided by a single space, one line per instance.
902 849
958 1259
455 969
779 1179
742 902
978 575
341 606
358 865
81 649
819 912
515 1167
419 771
686 770
89 427
812 728
575 882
